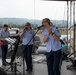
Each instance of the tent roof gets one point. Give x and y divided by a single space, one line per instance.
59 0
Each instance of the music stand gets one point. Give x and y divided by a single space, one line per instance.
14 53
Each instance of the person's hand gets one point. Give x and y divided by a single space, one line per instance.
2 39
25 28
49 30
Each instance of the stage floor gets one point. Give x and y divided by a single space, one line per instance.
39 67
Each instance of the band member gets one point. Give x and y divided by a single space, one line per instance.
27 43
4 34
51 36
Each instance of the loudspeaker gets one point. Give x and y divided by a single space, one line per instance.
2 72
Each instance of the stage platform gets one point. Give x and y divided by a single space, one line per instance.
39 67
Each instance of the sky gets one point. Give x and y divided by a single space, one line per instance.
33 9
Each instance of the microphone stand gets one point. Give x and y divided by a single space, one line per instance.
25 48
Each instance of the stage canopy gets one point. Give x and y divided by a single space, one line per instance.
59 0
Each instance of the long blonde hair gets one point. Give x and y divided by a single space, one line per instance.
48 21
